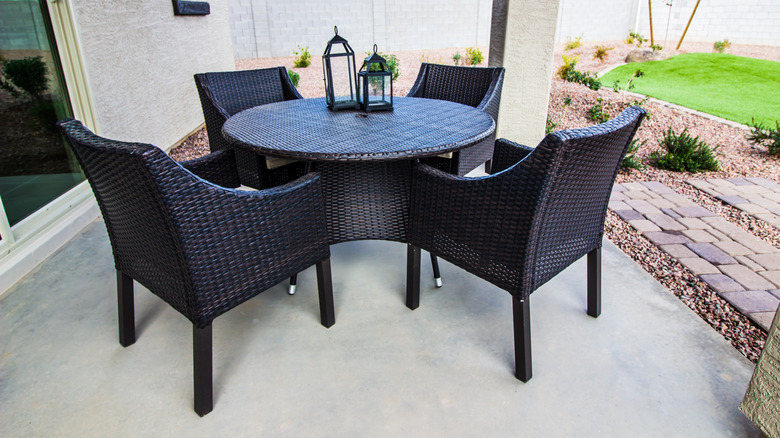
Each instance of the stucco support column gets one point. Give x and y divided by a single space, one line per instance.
522 40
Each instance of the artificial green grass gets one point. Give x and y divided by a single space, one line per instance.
733 87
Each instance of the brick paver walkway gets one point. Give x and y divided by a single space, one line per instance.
758 197
739 266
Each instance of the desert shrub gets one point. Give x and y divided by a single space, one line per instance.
635 37
629 85
302 57
656 48
294 77
27 74
602 53
550 126
473 56
684 153
573 43
585 78
630 160
456 58
598 112
566 101
568 64
766 136
721 46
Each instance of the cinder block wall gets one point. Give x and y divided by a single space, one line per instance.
272 28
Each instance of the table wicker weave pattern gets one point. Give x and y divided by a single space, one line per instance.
307 130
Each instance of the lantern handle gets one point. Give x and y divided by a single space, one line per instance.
336 29
374 48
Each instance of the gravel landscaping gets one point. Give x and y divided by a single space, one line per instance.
738 158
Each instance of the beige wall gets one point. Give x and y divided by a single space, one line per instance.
139 60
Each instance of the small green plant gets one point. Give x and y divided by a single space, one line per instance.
630 160
642 104
766 136
473 56
598 112
629 84
602 53
550 126
27 74
568 64
573 43
294 77
587 78
392 64
566 101
302 57
684 153
634 37
456 58
721 46
656 48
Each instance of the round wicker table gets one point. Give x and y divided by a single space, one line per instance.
364 159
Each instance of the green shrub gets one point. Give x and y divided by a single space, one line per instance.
473 56
634 37
601 53
766 136
684 153
566 101
721 46
550 126
456 58
585 78
656 48
302 57
573 43
294 77
630 160
597 112
568 64
392 64
629 86
28 75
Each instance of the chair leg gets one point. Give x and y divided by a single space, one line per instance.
126 307
201 358
521 312
488 166
436 272
325 288
594 283
412 277
293 284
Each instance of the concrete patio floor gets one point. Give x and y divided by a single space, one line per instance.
647 367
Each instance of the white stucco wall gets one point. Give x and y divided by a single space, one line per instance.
596 20
139 60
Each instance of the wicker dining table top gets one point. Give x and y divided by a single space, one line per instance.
304 129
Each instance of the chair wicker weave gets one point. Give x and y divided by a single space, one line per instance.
540 211
473 86
223 94
202 248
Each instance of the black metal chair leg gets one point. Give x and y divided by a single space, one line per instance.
412 277
436 272
488 166
293 284
325 288
594 283
522 322
126 307
201 358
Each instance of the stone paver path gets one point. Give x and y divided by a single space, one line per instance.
759 197
739 266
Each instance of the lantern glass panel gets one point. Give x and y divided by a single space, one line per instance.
341 68
379 92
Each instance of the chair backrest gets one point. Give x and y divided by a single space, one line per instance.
131 182
473 86
223 94
574 171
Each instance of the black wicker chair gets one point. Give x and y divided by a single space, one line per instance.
473 86
540 211
202 248
223 94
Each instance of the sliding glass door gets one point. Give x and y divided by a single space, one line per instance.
35 164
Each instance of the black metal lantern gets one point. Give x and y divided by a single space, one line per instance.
375 84
338 65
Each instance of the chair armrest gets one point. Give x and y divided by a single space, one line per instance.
218 168
237 243
508 153
490 103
